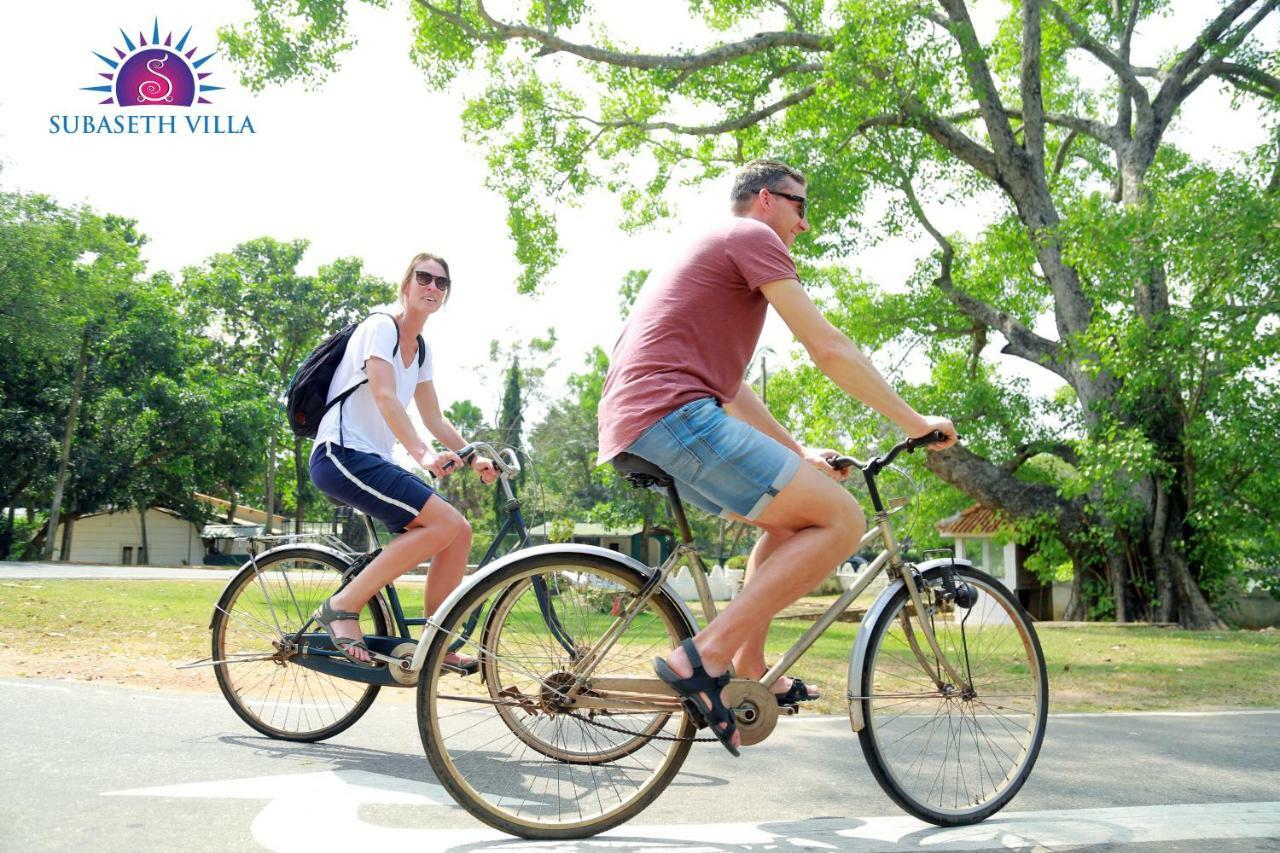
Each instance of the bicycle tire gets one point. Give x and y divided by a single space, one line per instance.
506 604
256 611
491 769
916 736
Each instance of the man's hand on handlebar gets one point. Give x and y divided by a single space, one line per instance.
820 458
939 425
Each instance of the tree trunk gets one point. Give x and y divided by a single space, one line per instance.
271 479
76 386
299 492
6 536
1077 609
144 558
68 527
231 508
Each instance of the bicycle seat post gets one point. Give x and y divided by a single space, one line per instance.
677 512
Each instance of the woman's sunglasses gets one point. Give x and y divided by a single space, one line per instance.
424 278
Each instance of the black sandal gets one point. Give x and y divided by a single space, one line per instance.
325 616
715 715
797 692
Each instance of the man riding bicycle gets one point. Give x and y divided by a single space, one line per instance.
675 396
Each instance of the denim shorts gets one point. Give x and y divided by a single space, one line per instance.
720 464
369 483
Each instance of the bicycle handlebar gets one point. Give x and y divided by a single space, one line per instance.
874 465
506 461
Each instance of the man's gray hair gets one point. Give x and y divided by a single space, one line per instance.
761 175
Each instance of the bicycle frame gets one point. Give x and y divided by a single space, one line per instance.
316 651
888 560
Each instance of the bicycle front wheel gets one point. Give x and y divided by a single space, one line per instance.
255 617
954 753
507 746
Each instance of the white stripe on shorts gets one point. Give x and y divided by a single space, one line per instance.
328 451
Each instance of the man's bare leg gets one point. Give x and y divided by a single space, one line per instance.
749 660
824 524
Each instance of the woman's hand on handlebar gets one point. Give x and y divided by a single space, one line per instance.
485 468
444 463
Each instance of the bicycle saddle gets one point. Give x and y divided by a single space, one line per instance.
640 473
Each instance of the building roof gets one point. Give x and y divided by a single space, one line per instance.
974 522
244 514
588 529
231 531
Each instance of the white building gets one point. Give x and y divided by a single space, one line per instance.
116 538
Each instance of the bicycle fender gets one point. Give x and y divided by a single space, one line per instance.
867 628
429 632
332 552
341 556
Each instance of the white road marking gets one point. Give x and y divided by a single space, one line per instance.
322 810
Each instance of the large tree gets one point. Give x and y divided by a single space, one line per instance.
265 316
1108 260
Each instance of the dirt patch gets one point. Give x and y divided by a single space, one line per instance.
130 672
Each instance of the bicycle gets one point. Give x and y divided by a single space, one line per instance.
574 734
279 672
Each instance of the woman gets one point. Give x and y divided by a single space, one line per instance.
352 458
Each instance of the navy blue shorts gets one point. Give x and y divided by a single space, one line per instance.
369 483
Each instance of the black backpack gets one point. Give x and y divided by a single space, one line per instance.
305 399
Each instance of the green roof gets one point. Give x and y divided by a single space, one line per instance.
588 529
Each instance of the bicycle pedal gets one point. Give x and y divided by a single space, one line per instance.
789 710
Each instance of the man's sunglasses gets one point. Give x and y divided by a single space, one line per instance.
424 278
798 199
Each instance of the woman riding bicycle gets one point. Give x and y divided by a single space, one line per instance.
352 462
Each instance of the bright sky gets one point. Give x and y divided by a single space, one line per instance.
370 165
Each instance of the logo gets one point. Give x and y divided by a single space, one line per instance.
155 74
158 74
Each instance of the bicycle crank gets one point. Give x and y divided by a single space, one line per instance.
398 663
754 707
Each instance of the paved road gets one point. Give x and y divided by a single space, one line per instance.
105 768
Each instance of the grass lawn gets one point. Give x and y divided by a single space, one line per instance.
133 632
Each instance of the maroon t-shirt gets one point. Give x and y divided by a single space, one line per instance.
693 330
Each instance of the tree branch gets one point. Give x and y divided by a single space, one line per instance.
989 485
726 126
1209 36
1199 75
1121 68
1262 84
551 43
1022 342
1023 452
1061 160
994 115
1032 96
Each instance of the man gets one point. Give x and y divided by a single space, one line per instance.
675 396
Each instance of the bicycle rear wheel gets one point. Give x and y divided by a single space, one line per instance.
256 613
506 747
958 753
522 602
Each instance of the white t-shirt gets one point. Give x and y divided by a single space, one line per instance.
363 426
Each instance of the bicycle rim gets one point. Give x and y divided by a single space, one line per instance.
256 613
953 755
520 603
499 744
